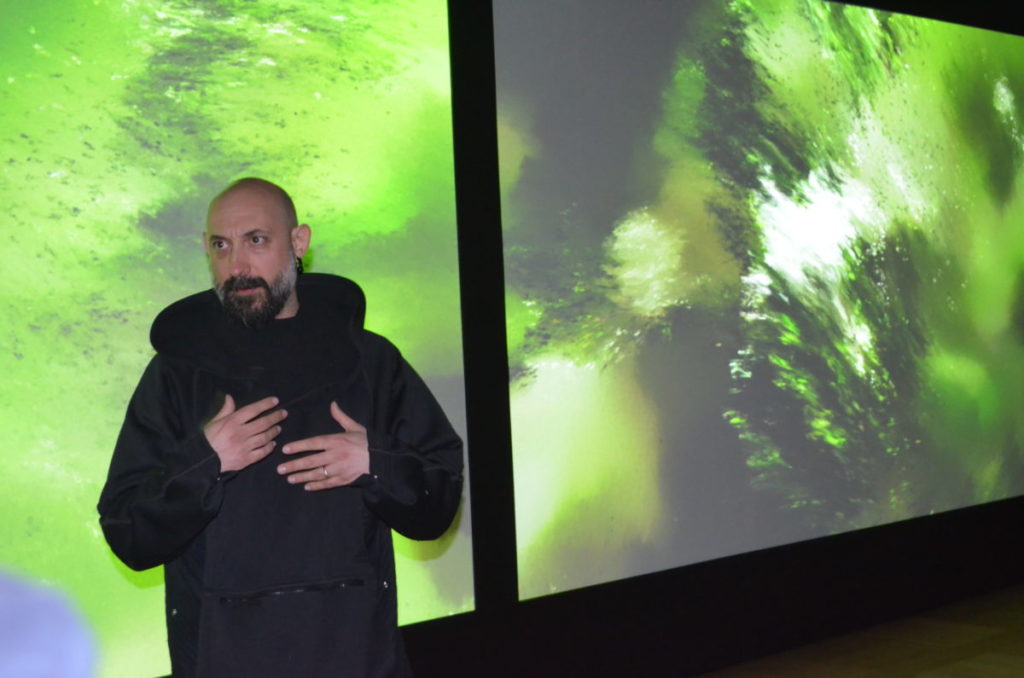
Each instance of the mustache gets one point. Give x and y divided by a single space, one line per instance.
243 282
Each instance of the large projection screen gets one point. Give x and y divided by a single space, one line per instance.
764 275
120 120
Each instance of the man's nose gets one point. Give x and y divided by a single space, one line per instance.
238 262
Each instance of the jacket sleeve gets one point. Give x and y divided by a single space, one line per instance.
163 486
415 482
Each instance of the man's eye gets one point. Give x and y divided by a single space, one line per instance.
219 244
258 239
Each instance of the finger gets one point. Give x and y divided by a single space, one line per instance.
320 485
252 410
312 462
226 408
347 422
306 477
266 422
315 443
265 437
262 452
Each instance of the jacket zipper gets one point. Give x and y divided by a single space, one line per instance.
243 598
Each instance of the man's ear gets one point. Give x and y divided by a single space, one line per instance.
300 240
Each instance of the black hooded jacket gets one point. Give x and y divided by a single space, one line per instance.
265 579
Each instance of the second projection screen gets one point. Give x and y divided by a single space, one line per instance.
764 275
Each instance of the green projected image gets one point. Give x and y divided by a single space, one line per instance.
120 120
765 275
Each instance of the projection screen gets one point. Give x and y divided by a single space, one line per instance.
120 120
763 275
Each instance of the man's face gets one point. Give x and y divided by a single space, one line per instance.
252 251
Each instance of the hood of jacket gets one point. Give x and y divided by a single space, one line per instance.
197 329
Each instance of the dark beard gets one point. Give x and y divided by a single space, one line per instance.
256 310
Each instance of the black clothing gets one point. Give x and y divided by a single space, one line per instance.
265 579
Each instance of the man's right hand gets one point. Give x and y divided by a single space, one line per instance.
243 436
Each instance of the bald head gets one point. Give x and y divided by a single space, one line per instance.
256 186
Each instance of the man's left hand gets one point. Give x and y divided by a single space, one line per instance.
343 457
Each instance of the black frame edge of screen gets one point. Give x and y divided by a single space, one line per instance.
482 285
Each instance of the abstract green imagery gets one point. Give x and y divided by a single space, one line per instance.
119 121
807 315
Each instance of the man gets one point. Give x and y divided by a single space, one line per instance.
269 449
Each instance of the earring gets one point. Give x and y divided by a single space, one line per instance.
298 265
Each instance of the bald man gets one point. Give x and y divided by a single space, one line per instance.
266 454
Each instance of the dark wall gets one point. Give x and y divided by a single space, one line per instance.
698 618
695 618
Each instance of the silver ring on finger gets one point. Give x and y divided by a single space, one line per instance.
326 474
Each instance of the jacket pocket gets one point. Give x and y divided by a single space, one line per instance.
318 629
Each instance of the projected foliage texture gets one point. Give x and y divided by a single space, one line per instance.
119 121
764 267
